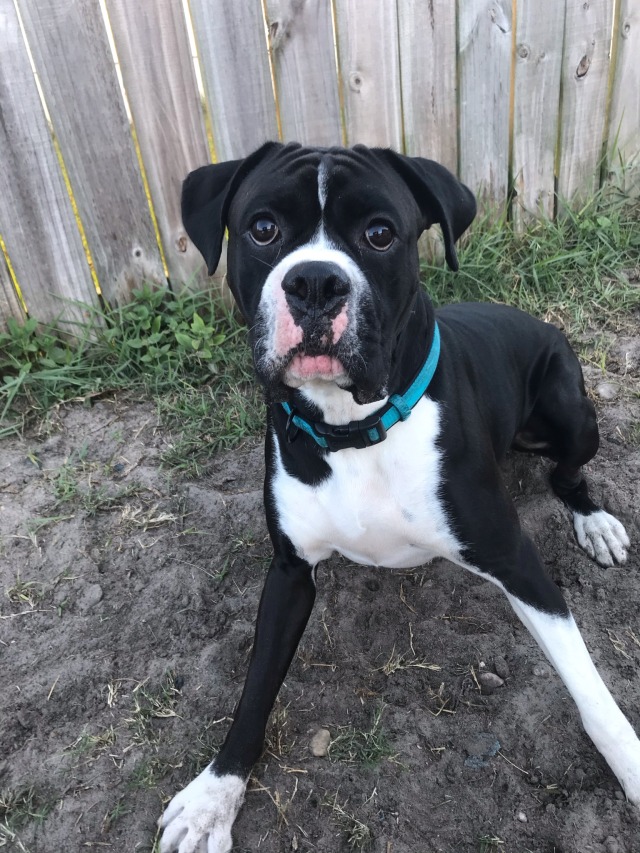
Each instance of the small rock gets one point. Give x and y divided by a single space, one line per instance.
611 845
550 809
540 670
320 743
501 667
521 816
489 682
89 597
480 747
607 391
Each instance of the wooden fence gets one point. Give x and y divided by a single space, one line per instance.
522 94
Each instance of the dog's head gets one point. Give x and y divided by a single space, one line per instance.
323 258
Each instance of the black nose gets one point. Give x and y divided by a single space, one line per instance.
316 286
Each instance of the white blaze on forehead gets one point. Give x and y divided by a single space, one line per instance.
323 182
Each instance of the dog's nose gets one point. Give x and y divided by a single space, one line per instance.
316 286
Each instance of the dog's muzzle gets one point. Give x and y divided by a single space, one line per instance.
316 297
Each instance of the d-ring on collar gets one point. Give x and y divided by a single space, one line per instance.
371 430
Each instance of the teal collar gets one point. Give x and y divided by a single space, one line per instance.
371 430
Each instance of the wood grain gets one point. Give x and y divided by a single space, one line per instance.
367 37
36 217
234 58
538 64
585 70
624 126
304 61
159 78
485 76
73 59
428 62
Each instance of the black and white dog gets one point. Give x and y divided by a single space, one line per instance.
387 423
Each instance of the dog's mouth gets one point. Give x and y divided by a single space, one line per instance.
304 367
310 361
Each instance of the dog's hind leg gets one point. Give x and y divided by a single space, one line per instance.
563 426
539 604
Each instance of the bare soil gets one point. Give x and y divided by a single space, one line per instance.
126 625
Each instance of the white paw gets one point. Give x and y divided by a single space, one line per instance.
602 537
200 817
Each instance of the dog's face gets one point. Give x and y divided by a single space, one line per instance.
323 258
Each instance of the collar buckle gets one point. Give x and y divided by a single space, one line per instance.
358 434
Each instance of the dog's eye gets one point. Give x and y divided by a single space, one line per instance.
379 236
264 231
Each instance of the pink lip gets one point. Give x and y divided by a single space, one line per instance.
315 367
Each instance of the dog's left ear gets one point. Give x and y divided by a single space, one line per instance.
206 195
440 196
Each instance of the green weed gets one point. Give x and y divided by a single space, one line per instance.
114 815
152 704
490 844
354 746
357 834
18 808
25 592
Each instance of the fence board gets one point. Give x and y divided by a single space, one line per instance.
585 70
301 37
485 77
157 69
72 56
427 37
9 302
36 218
367 36
538 63
624 126
235 68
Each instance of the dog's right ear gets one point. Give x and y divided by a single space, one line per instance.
206 195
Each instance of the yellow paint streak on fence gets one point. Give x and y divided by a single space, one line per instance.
61 163
608 130
272 72
12 275
195 55
336 53
76 214
512 100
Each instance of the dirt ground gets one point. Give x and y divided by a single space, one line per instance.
126 623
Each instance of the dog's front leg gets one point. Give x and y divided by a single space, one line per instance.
200 817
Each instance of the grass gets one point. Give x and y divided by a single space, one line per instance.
579 271
188 352
25 592
17 808
151 704
358 835
356 746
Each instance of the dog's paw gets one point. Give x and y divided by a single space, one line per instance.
200 817
602 536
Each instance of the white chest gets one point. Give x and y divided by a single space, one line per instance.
380 506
